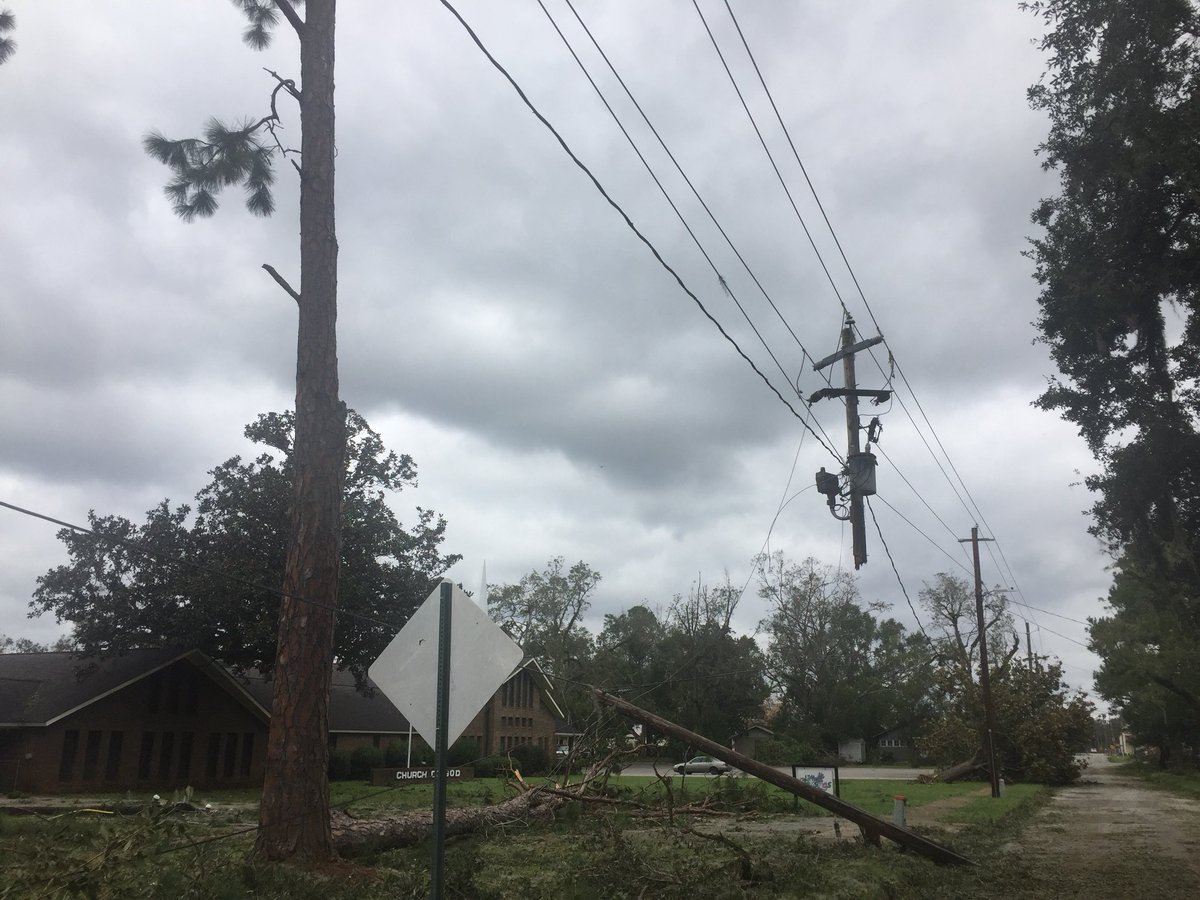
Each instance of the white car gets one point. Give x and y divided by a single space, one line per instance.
703 764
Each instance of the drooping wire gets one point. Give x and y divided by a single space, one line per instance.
917 493
678 167
918 530
667 196
896 572
628 221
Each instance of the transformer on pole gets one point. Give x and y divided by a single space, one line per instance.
859 471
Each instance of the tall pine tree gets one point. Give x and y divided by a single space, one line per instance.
294 814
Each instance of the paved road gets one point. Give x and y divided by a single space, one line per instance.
848 773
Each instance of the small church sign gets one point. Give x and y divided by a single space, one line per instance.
382 777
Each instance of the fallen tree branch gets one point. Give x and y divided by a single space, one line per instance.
747 870
350 834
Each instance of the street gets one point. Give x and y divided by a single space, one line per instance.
848 773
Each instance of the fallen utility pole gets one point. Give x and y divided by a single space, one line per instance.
985 675
873 828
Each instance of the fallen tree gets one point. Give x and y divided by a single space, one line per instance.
963 769
351 835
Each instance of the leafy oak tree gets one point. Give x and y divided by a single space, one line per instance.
1118 263
294 812
543 612
839 668
711 679
1148 646
234 541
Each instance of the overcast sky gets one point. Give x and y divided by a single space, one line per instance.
500 322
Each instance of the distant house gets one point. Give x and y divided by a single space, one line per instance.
166 718
747 742
896 745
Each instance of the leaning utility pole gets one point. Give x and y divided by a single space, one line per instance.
860 466
985 676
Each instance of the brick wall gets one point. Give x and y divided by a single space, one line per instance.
515 715
174 728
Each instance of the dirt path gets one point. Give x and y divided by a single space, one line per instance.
1111 836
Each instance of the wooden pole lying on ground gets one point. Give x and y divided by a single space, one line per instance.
872 826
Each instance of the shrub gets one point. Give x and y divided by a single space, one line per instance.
464 752
395 754
491 766
363 760
339 765
782 751
530 759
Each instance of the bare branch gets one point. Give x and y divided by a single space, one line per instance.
290 14
284 84
282 282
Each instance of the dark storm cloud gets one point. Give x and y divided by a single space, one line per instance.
500 321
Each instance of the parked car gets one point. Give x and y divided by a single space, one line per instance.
703 764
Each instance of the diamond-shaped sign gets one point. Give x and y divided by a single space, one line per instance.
482 657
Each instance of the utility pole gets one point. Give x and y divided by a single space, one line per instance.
1028 648
985 676
858 525
860 466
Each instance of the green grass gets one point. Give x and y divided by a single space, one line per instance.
587 852
990 810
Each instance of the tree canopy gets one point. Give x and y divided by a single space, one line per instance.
223 599
8 46
838 668
1118 263
1040 724
1149 644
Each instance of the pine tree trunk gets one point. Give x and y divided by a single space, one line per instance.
294 816
356 835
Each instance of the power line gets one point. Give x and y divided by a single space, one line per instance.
629 222
674 161
917 493
918 530
770 156
896 572
142 547
858 287
832 231
667 196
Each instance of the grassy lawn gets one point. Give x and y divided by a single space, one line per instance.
589 851
989 810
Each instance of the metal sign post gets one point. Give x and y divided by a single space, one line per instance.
443 724
421 663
